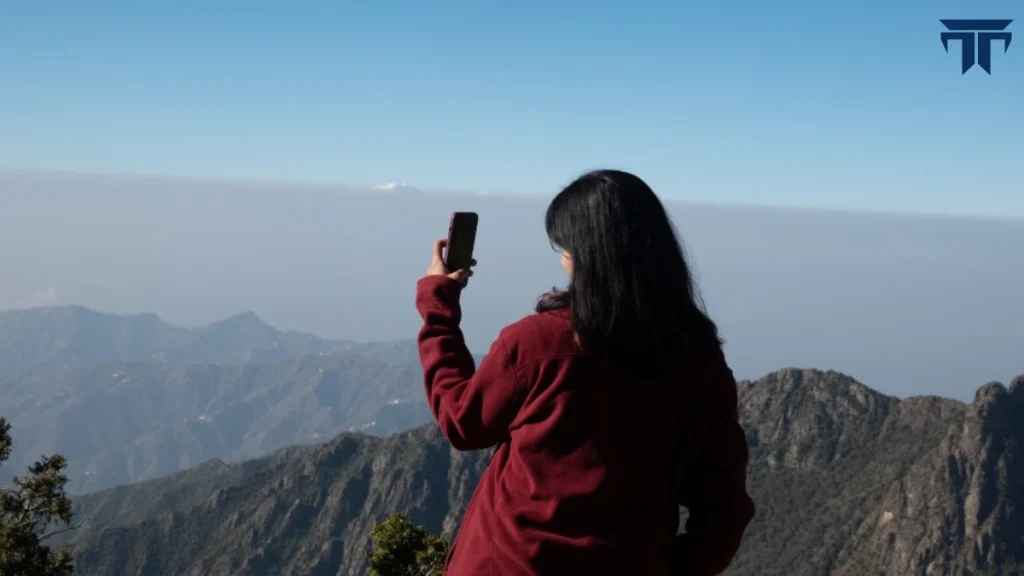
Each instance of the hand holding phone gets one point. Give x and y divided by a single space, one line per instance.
453 257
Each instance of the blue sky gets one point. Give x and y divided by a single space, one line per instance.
830 104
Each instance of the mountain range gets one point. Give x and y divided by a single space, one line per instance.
40 339
847 480
127 398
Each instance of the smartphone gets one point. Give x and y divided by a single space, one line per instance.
461 237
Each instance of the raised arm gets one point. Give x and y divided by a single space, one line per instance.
714 479
474 408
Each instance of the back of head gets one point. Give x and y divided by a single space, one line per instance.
631 297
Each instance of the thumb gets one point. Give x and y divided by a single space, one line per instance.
439 250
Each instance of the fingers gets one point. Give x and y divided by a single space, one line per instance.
461 276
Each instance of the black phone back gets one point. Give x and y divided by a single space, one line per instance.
461 238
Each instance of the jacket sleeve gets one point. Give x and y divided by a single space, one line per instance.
714 482
474 408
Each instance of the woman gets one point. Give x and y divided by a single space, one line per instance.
610 406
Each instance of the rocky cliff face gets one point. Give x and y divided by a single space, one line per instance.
852 482
959 509
847 481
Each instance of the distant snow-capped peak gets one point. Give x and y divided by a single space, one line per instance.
393 187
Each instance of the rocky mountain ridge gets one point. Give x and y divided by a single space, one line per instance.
847 481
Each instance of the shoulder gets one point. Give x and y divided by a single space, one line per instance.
539 335
712 378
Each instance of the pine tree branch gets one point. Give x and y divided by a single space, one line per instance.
81 524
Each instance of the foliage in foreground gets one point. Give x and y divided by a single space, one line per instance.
401 548
28 508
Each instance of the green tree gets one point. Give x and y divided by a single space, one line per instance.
401 548
28 509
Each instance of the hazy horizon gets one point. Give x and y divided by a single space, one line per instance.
299 185
907 304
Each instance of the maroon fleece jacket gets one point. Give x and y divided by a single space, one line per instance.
584 478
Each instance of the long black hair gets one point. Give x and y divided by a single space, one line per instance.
632 297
